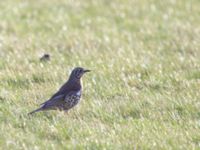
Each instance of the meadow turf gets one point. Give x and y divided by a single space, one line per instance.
143 92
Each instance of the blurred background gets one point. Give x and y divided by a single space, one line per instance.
143 92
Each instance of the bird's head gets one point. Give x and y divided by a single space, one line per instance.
78 72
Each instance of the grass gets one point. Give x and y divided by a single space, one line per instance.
143 92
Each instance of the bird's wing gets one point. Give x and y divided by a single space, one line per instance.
53 102
58 101
62 90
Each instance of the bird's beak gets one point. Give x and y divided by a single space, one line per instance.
86 70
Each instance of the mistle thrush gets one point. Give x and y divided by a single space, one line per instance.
68 95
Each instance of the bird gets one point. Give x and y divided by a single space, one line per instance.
45 57
68 95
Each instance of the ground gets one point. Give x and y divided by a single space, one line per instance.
142 93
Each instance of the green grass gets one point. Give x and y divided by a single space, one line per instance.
143 92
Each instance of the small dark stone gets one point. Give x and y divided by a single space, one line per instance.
45 57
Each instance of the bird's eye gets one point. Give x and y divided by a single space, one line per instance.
79 71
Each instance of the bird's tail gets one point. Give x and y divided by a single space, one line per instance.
32 112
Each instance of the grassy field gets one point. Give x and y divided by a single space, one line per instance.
143 92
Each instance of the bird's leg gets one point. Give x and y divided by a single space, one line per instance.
76 115
66 112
